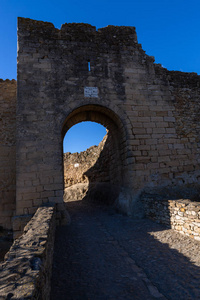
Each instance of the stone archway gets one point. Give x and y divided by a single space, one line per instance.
110 178
123 89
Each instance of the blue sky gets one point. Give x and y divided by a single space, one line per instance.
169 30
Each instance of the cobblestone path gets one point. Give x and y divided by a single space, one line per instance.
103 255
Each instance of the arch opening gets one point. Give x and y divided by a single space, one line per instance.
102 180
83 144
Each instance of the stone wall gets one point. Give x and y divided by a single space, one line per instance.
7 151
88 174
183 215
86 166
92 165
26 271
152 115
166 144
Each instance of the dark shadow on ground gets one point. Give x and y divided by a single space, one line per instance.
104 255
6 240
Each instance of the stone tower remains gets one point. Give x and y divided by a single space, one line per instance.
80 74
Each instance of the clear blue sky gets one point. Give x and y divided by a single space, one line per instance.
169 30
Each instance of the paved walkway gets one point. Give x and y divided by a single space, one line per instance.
102 255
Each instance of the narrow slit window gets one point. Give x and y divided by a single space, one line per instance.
89 67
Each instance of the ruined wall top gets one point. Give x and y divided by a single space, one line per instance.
77 31
4 81
110 38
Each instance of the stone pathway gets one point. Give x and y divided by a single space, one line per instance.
102 255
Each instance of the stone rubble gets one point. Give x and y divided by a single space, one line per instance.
26 270
183 215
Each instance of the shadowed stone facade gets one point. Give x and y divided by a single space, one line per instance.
151 114
8 90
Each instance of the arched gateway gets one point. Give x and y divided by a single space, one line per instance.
79 74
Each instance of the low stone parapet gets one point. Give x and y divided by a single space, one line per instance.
26 271
183 215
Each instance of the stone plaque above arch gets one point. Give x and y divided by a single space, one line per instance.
91 92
